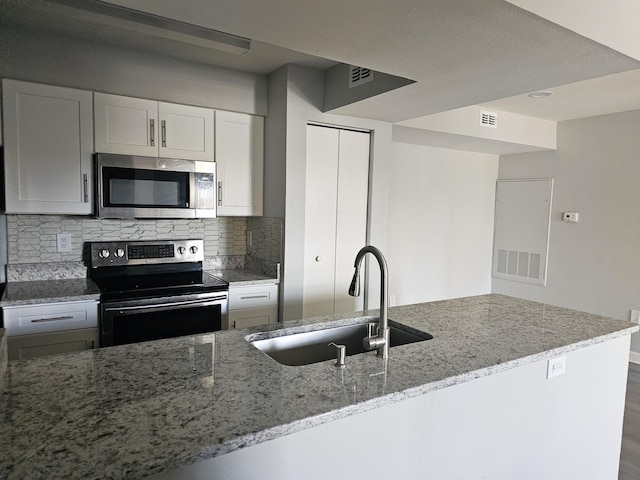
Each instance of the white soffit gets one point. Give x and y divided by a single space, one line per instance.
510 127
601 96
611 23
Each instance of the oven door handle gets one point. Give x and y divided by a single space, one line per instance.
169 305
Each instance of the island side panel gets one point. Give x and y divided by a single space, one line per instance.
513 424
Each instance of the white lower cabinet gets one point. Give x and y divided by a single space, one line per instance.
252 305
45 329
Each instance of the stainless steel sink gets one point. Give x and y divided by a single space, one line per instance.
311 347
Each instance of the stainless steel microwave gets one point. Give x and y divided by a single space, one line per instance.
148 187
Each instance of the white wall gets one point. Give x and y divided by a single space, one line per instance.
56 60
440 223
593 265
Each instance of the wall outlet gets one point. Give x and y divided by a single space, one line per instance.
635 316
249 234
570 216
556 366
392 300
64 242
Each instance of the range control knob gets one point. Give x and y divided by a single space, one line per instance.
119 253
193 249
103 253
181 250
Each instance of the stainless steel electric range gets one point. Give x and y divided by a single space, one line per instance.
155 289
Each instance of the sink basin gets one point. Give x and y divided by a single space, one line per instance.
311 347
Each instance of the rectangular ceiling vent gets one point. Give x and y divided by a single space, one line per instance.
488 119
359 76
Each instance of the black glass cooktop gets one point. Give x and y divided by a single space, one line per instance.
167 284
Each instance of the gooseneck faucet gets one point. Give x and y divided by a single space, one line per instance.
381 341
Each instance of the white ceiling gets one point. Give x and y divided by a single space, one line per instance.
460 52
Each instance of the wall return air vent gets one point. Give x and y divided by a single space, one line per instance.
488 119
359 76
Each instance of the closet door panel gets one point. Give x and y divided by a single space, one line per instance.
320 220
351 215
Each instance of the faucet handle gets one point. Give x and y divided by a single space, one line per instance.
372 343
341 354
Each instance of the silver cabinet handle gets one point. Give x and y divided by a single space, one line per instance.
253 297
219 193
163 130
52 319
85 187
152 132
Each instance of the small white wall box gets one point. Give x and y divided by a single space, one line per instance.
570 216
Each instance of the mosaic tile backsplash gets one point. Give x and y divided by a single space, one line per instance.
32 240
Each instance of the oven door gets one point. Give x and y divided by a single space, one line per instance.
142 319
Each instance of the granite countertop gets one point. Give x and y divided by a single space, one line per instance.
77 289
243 277
49 291
130 411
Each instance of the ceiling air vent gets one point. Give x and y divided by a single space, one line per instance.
488 119
359 76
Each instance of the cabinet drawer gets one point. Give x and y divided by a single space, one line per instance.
253 296
50 317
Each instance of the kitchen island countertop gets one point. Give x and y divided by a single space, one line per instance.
135 410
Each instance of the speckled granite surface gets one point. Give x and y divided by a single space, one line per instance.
48 291
130 411
243 277
25 272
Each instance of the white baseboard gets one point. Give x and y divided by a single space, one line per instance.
634 357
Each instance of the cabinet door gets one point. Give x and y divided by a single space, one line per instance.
186 132
240 163
251 317
48 149
28 346
125 125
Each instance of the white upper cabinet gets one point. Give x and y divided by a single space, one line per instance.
48 136
240 163
125 125
133 126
